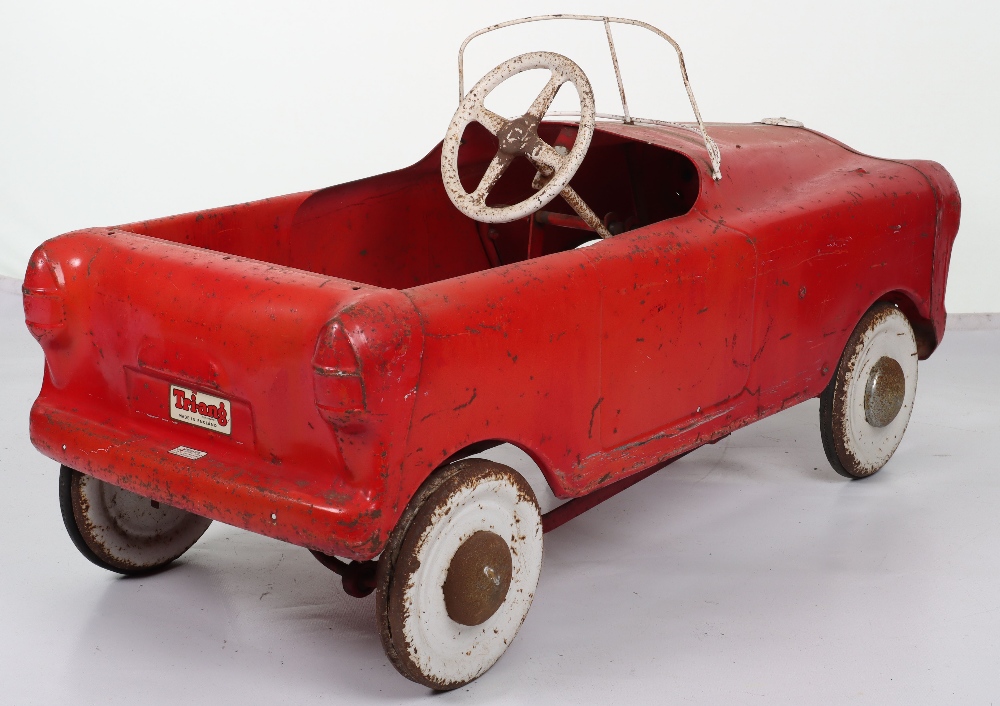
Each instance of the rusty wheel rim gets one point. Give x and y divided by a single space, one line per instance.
419 630
866 408
122 531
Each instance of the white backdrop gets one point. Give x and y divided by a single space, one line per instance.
115 111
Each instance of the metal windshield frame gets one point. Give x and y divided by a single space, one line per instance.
713 149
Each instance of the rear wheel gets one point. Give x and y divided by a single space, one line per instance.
865 409
459 573
120 530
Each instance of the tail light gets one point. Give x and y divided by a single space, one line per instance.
340 391
365 371
44 307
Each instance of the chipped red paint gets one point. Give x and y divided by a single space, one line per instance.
363 336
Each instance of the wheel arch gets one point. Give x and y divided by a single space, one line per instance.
543 479
923 326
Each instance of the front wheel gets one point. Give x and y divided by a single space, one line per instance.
459 573
121 531
865 409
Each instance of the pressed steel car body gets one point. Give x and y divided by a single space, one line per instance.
352 340
364 338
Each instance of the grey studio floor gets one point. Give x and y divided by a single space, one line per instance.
747 573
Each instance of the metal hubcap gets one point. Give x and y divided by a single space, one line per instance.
884 392
478 578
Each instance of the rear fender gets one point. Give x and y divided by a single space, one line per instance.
366 372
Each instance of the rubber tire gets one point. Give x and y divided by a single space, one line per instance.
427 520
853 447
110 544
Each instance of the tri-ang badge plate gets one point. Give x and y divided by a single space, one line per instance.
200 409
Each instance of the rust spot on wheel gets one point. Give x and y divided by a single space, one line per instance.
478 578
884 392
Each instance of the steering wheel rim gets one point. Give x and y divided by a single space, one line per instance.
518 137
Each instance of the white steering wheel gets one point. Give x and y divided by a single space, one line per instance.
518 137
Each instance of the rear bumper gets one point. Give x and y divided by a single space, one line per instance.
237 489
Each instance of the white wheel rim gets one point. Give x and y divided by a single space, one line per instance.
444 651
130 530
892 337
472 109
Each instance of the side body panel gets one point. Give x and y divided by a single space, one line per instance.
677 314
510 354
835 232
810 235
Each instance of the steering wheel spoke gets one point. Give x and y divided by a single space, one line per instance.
490 120
545 157
498 165
540 106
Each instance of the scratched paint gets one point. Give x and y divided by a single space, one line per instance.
535 352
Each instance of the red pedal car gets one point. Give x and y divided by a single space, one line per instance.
320 367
